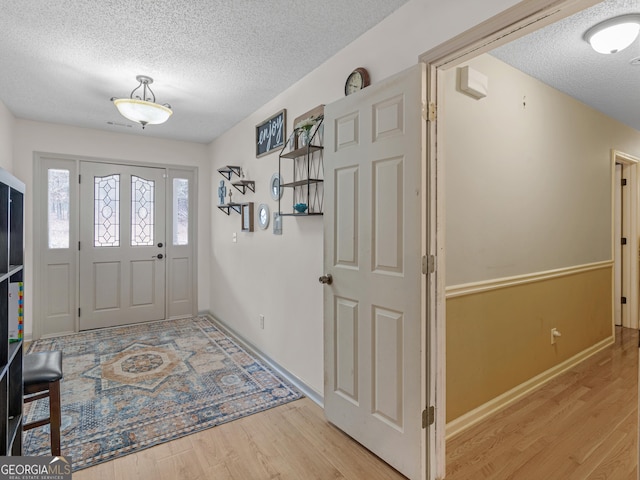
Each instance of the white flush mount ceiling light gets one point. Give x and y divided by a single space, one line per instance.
614 34
143 109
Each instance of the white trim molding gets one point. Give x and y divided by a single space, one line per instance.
499 283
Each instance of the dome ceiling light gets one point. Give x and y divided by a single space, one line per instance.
143 109
615 34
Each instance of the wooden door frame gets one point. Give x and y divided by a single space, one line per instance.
39 241
630 199
511 24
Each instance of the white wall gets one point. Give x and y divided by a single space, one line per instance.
277 276
30 137
7 125
528 187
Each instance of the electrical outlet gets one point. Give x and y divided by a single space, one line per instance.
554 335
235 237
262 321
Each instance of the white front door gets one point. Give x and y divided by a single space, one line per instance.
375 375
122 244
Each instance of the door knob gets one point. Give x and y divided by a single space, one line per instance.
159 256
326 279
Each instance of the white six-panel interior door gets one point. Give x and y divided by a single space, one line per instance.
374 375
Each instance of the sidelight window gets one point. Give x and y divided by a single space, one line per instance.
58 208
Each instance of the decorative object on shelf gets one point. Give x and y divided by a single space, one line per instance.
277 223
263 216
222 192
304 130
247 217
143 109
16 311
300 207
230 199
292 143
356 81
274 186
271 133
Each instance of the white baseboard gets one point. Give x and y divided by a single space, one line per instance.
314 395
460 424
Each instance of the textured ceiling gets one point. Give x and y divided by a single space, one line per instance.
558 56
214 61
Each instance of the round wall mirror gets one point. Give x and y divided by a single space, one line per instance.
274 186
263 216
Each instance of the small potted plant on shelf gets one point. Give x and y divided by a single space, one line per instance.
304 128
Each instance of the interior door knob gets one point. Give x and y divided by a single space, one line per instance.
159 256
326 279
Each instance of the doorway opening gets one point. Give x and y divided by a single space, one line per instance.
590 268
625 239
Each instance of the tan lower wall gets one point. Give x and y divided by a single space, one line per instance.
499 338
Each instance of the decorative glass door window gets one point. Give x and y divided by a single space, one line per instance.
58 208
142 207
107 211
180 211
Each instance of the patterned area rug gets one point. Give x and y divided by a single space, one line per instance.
129 388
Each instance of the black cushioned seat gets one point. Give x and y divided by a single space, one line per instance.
42 367
41 375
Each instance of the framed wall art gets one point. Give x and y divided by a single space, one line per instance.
247 217
271 134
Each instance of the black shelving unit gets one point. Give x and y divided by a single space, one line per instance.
11 270
306 163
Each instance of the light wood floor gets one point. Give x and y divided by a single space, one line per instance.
580 426
583 425
292 441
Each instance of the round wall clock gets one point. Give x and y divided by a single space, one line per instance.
274 186
356 81
263 216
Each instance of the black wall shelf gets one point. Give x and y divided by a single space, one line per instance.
228 207
229 170
242 186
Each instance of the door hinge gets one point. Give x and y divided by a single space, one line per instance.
428 416
78 311
623 300
623 241
433 113
78 245
428 264
79 178
624 182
